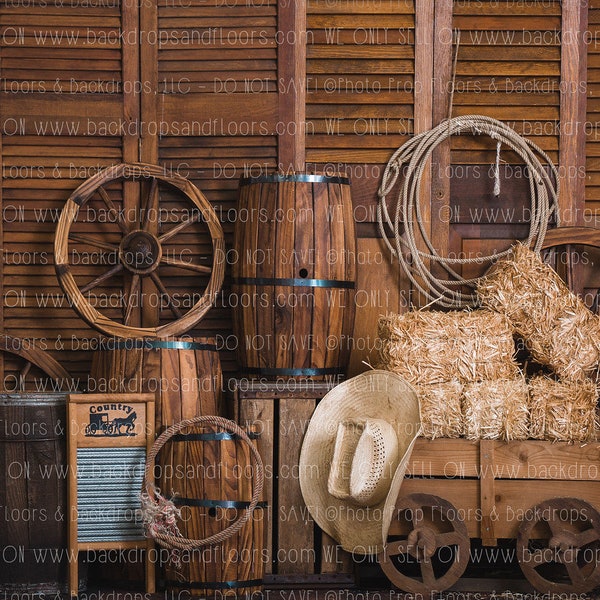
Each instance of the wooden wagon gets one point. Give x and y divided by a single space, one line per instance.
543 495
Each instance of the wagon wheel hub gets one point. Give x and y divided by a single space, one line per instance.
422 543
140 252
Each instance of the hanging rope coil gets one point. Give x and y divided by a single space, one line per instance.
160 513
409 162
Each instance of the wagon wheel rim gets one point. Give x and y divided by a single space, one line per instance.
424 542
139 253
35 356
567 544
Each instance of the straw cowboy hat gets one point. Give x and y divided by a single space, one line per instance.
354 456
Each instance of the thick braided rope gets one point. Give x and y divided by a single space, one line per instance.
181 543
414 156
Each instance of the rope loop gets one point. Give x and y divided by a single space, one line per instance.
158 510
400 235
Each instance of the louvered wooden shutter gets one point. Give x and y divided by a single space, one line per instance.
237 93
67 109
216 69
510 65
592 149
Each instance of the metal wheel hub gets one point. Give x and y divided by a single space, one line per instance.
140 252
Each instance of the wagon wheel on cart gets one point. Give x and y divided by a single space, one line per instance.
31 356
435 552
134 250
558 546
563 249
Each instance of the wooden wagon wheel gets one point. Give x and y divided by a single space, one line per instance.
570 238
558 546
139 253
34 356
436 548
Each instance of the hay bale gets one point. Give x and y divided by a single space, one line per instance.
441 414
496 410
558 329
563 410
431 347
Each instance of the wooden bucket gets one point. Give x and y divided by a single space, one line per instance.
186 374
33 494
294 276
214 475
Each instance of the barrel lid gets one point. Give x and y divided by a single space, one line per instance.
296 177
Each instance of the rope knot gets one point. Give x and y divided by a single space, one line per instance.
160 514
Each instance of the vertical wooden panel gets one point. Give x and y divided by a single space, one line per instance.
149 75
443 49
291 71
295 527
378 291
572 112
259 414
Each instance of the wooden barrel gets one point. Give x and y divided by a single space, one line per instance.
186 374
33 494
213 478
294 276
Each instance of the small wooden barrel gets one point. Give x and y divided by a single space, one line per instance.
186 374
33 494
213 477
294 276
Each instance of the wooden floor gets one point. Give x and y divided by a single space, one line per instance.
473 590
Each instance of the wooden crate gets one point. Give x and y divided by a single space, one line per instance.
298 550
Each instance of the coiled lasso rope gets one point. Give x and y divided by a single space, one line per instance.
160 513
413 156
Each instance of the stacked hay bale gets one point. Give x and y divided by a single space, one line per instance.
464 369
561 334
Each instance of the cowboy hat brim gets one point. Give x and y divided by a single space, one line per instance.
375 394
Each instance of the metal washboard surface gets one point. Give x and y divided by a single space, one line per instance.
109 481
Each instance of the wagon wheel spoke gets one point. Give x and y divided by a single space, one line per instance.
174 262
427 573
397 547
85 239
113 210
450 538
586 537
163 290
107 275
149 214
131 296
177 228
538 557
574 572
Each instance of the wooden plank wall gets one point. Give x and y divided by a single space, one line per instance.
214 89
